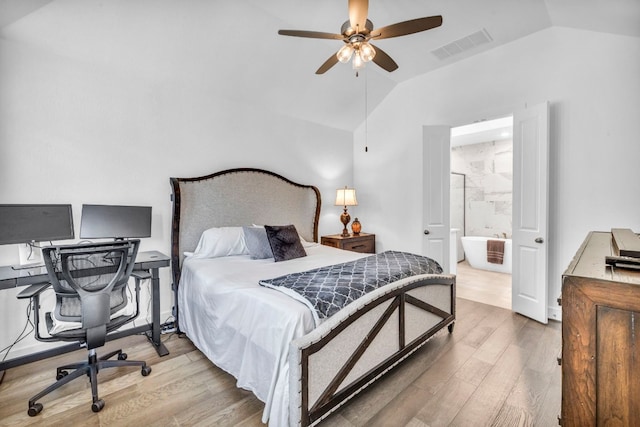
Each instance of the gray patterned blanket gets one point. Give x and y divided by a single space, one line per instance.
328 289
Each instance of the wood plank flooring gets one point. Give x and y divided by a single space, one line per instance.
496 369
484 286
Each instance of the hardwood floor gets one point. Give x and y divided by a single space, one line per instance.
484 286
496 369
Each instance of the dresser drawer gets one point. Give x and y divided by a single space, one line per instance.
364 242
366 246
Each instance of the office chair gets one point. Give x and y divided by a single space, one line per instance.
90 284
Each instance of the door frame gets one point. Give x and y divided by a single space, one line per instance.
447 170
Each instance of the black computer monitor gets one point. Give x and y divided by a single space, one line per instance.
115 222
35 223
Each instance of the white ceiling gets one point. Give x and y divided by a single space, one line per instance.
482 131
231 48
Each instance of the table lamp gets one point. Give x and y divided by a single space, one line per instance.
345 197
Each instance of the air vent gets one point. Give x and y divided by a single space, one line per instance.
463 44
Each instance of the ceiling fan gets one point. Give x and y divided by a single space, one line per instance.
358 31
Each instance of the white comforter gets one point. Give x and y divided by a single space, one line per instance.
245 328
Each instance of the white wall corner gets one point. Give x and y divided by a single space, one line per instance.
555 313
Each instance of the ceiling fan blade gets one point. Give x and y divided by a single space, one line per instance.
384 60
358 11
311 34
407 27
333 60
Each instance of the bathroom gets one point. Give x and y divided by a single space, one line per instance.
481 209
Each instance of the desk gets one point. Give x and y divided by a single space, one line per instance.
150 261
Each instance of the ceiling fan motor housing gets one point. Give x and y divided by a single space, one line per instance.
348 32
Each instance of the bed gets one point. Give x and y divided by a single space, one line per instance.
300 366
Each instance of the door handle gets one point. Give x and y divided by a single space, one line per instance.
539 240
426 231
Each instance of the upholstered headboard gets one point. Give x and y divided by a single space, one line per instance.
238 197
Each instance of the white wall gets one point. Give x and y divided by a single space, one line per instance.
75 132
488 169
591 81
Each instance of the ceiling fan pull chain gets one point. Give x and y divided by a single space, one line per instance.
366 114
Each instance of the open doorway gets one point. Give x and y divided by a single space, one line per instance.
481 206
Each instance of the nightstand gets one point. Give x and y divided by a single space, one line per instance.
363 242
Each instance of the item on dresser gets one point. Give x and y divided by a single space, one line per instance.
626 242
345 197
356 227
623 261
268 340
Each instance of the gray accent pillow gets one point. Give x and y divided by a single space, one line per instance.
285 242
257 242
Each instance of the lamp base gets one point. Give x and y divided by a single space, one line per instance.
344 219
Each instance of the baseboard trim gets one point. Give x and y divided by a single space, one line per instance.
555 313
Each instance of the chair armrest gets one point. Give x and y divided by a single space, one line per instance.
33 290
141 275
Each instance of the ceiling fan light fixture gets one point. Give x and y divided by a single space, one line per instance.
345 52
358 62
367 52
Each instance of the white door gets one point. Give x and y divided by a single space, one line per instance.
530 207
436 176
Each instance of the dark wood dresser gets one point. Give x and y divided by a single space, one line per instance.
600 339
363 242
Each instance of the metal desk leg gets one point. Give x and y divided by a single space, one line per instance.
154 334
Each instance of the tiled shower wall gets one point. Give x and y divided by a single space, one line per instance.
488 167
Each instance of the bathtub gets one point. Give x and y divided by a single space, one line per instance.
475 249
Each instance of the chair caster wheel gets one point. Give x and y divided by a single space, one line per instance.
34 409
146 370
450 327
122 356
97 405
61 375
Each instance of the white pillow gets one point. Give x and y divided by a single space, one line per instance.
221 241
257 242
306 244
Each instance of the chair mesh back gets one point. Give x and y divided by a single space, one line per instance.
77 269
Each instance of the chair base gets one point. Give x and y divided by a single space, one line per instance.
91 368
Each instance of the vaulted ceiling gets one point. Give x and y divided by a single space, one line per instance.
231 48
